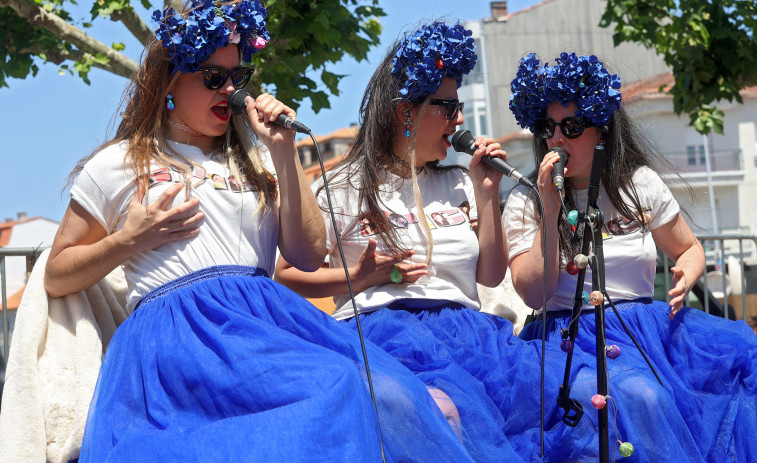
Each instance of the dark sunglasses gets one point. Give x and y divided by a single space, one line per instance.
571 127
453 105
214 77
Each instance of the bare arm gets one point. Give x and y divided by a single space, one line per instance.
302 233
676 239
528 268
492 258
373 269
83 253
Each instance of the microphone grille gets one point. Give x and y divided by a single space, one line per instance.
237 101
462 140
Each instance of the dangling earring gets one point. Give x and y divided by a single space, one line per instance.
169 103
408 127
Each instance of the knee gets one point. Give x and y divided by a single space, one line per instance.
448 409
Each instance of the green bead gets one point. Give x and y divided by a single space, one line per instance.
626 449
573 217
396 275
585 297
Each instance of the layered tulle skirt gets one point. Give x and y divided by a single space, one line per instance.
227 365
703 409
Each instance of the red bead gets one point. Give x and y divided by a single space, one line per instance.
572 268
439 63
599 401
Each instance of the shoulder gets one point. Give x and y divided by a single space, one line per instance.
112 157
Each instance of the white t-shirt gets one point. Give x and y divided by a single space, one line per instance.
629 250
446 195
230 234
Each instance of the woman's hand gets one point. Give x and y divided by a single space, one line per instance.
679 291
545 185
482 175
262 112
148 227
374 268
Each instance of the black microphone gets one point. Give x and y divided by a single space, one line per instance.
558 169
238 105
463 142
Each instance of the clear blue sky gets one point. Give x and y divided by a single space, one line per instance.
49 122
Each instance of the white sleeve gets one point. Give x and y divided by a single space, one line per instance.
656 197
521 221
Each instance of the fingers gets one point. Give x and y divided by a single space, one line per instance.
269 108
166 198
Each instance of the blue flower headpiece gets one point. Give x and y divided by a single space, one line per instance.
583 80
192 37
431 54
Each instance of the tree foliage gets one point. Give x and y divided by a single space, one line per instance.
308 36
710 45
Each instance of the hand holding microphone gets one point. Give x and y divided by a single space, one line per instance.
238 105
463 142
558 169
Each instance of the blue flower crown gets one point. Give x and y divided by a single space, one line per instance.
431 54
580 79
192 37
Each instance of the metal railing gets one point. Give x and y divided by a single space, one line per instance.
31 254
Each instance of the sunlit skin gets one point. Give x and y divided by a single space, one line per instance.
204 111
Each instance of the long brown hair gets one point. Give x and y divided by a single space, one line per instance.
372 154
143 123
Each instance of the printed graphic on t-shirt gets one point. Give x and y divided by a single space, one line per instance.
437 219
164 175
625 226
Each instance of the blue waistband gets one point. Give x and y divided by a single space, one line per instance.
207 273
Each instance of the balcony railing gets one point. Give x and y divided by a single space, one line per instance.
720 161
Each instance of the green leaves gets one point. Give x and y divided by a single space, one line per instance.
309 38
709 44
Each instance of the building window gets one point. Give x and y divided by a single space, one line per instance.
691 152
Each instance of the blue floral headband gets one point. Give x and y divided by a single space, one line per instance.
580 79
192 37
431 54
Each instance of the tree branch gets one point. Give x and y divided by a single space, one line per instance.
119 64
134 23
59 56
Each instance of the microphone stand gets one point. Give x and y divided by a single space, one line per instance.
593 220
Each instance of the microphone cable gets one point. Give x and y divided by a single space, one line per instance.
238 104
349 288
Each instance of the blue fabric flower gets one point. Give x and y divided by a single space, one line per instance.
431 54
191 38
580 79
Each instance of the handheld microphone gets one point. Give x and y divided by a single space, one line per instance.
558 169
238 105
463 142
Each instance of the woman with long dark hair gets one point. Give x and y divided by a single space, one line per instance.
704 408
414 280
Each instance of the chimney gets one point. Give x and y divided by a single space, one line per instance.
21 216
499 9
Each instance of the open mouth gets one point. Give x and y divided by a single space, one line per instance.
222 111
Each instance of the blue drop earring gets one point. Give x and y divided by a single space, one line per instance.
408 127
169 103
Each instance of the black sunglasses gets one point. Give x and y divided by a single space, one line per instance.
571 127
453 105
215 76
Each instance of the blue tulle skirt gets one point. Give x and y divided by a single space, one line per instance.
705 410
493 377
227 365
